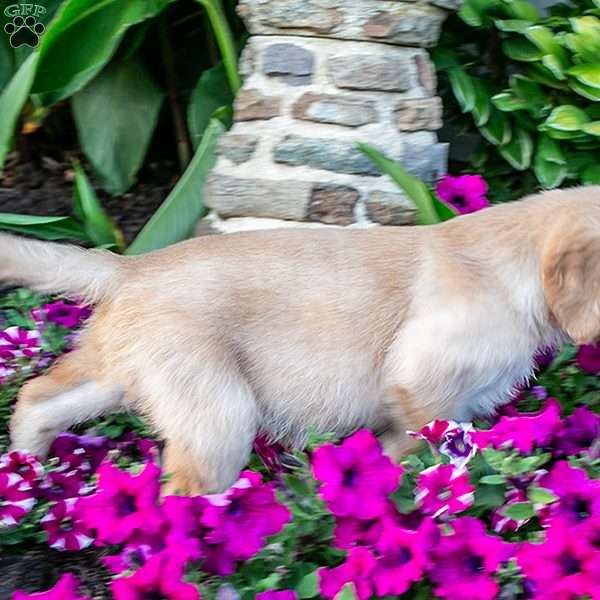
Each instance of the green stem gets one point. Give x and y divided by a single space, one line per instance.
222 31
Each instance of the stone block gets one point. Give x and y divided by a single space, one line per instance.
426 161
289 62
332 204
385 72
389 208
341 156
419 114
244 197
237 147
426 74
338 110
250 105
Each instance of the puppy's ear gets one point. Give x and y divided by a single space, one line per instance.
571 279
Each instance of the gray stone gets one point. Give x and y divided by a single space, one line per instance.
419 114
390 21
235 197
339 110
426 161
370 72
448 4
238 148
332 204
250 105
289 62
320 153
389 208
426 73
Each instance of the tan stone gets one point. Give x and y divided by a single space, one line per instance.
251 105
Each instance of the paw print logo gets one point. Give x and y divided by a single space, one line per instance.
24 31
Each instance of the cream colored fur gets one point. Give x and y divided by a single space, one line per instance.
217 338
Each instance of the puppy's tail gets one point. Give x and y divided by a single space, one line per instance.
91 275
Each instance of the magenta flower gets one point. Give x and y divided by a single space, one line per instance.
577 433
183 517
458 445
20 342
131 558
277 595
465 193
269 453
161 577
124 504
443 490
81 452
245 515
16 499
64 527
402 559
60 485
65 589
463 562
525 432
588 358
544 357
357 477
561 567
357 570
434 432
350 532
66 314
28 467
578 496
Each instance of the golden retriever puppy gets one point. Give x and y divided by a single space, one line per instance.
218 338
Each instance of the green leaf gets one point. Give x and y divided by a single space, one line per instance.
482 108
541 495
518 151
508 102
308 587
520 511
549 164
522 50
512 25
591 175
545 40
82 38
588 74
222 31
211 92
463 89
474 11
177 215
7 61
444 212
12 100
521 9
497 130
98 226
45 228
493 480
346 593
585 41
412 186
566 118
115 117
586 91
592 128
554 65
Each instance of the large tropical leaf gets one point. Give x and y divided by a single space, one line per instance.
115 117
175 219
7 61
46 228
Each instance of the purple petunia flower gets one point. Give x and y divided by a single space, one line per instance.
277 595
578 496
350 531
20 342
577 433
544 357
561 567
463 562
60 485
402 558
80 452
357 570
65 589
66 314
588 358
16 499
244 516
465 193
28 467
131 558
458 445
161 577
525 432
64 527
357 477
434 432
124 504
443 490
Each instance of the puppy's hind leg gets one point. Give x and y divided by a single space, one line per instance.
52 403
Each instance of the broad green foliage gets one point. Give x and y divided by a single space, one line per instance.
530 85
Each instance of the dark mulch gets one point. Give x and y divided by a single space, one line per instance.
43 186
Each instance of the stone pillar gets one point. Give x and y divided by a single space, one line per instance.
320 76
